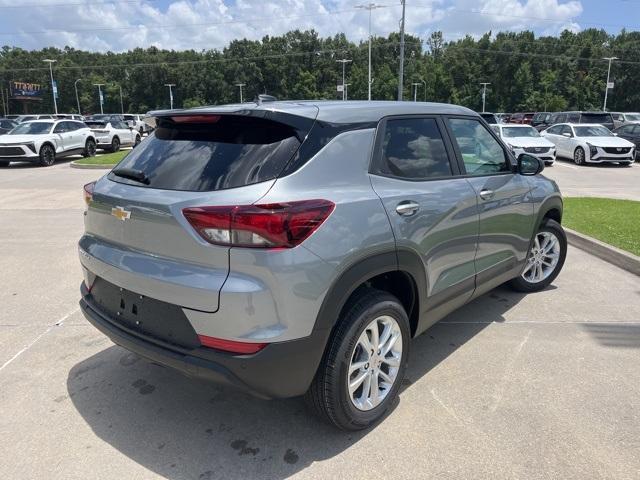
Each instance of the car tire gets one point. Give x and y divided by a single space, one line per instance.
538 256
579 156
47 155
329 395
137 142
89 148
115 145
141 131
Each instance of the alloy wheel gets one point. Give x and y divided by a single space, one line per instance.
48 155
543 258
375 363
578 156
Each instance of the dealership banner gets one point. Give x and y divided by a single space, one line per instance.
25 91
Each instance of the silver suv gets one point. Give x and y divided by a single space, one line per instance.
291 248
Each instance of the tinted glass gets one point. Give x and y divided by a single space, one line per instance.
232 152
413 148
633 117
566 129
636 130
618 116
6 124
555 130
95 124
32 128
596 118
625 130
481 152
519 132
593 131
61 127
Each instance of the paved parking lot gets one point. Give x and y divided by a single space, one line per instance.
511 386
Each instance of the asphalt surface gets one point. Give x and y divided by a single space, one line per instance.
543 386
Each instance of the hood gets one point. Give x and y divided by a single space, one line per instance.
528 142
20 138
607 141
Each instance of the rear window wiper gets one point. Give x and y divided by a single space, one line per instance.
132 174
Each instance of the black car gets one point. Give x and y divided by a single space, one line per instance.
631 132
490 118
6 125
603 118
540 120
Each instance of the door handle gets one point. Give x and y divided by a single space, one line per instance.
486 194
407 208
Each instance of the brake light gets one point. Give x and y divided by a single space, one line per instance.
273 225
196 118
88 192
230 345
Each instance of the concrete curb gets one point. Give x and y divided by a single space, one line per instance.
625 260
91 167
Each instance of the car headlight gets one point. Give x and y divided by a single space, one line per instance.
593 150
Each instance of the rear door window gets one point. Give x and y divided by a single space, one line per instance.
226 152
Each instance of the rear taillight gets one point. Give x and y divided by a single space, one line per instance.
231 346
88 192
273 225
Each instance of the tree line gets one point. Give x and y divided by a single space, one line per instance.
527 73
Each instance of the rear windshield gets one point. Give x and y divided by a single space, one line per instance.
232 151
93 124
596 118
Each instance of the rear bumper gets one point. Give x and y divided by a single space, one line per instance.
280 370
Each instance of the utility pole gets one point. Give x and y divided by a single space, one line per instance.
75 87
54 87
4 107
100 85
240 85
415 91
606 88
344 61
121 103
401 73
170 85
425 89
369 6
484 93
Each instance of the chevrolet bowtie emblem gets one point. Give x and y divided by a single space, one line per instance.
120 213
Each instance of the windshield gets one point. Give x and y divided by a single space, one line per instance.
32 128
510 132
633 117
592 131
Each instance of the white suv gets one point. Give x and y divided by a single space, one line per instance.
112 133
137 122
44 141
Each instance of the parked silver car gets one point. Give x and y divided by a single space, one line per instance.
291 248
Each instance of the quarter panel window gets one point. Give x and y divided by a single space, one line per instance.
481 153
413 148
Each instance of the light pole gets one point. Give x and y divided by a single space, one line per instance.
75 87
606 88
369 6
346 91
99 85
121 103
170 85
344 61
425 89
54 88
240 85
415 91
484 93
401 73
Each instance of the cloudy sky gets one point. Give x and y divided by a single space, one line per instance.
118 25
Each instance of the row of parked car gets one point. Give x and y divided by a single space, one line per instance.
44 140
134 120
585 137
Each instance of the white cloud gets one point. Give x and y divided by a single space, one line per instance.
205 24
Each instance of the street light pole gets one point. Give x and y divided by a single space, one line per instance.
170 85
99 85
121 103
54 88
415 91
606 87
240 85
369 6
75 87
425 89
344 61
401 73
484 93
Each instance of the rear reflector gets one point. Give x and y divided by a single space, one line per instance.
273 225
230 345
88 192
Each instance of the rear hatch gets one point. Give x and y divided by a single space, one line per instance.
597 117
137 236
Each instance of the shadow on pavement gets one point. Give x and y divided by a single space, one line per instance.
615 334
183 428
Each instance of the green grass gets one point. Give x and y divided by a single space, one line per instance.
616 222
106 159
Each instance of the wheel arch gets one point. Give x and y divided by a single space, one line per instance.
551 208
50 143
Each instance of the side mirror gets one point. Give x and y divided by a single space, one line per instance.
567 134
529 165
615 134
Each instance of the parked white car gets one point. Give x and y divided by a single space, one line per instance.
111 134
622 118
29 118
589 143
137 122
44 141
526 139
